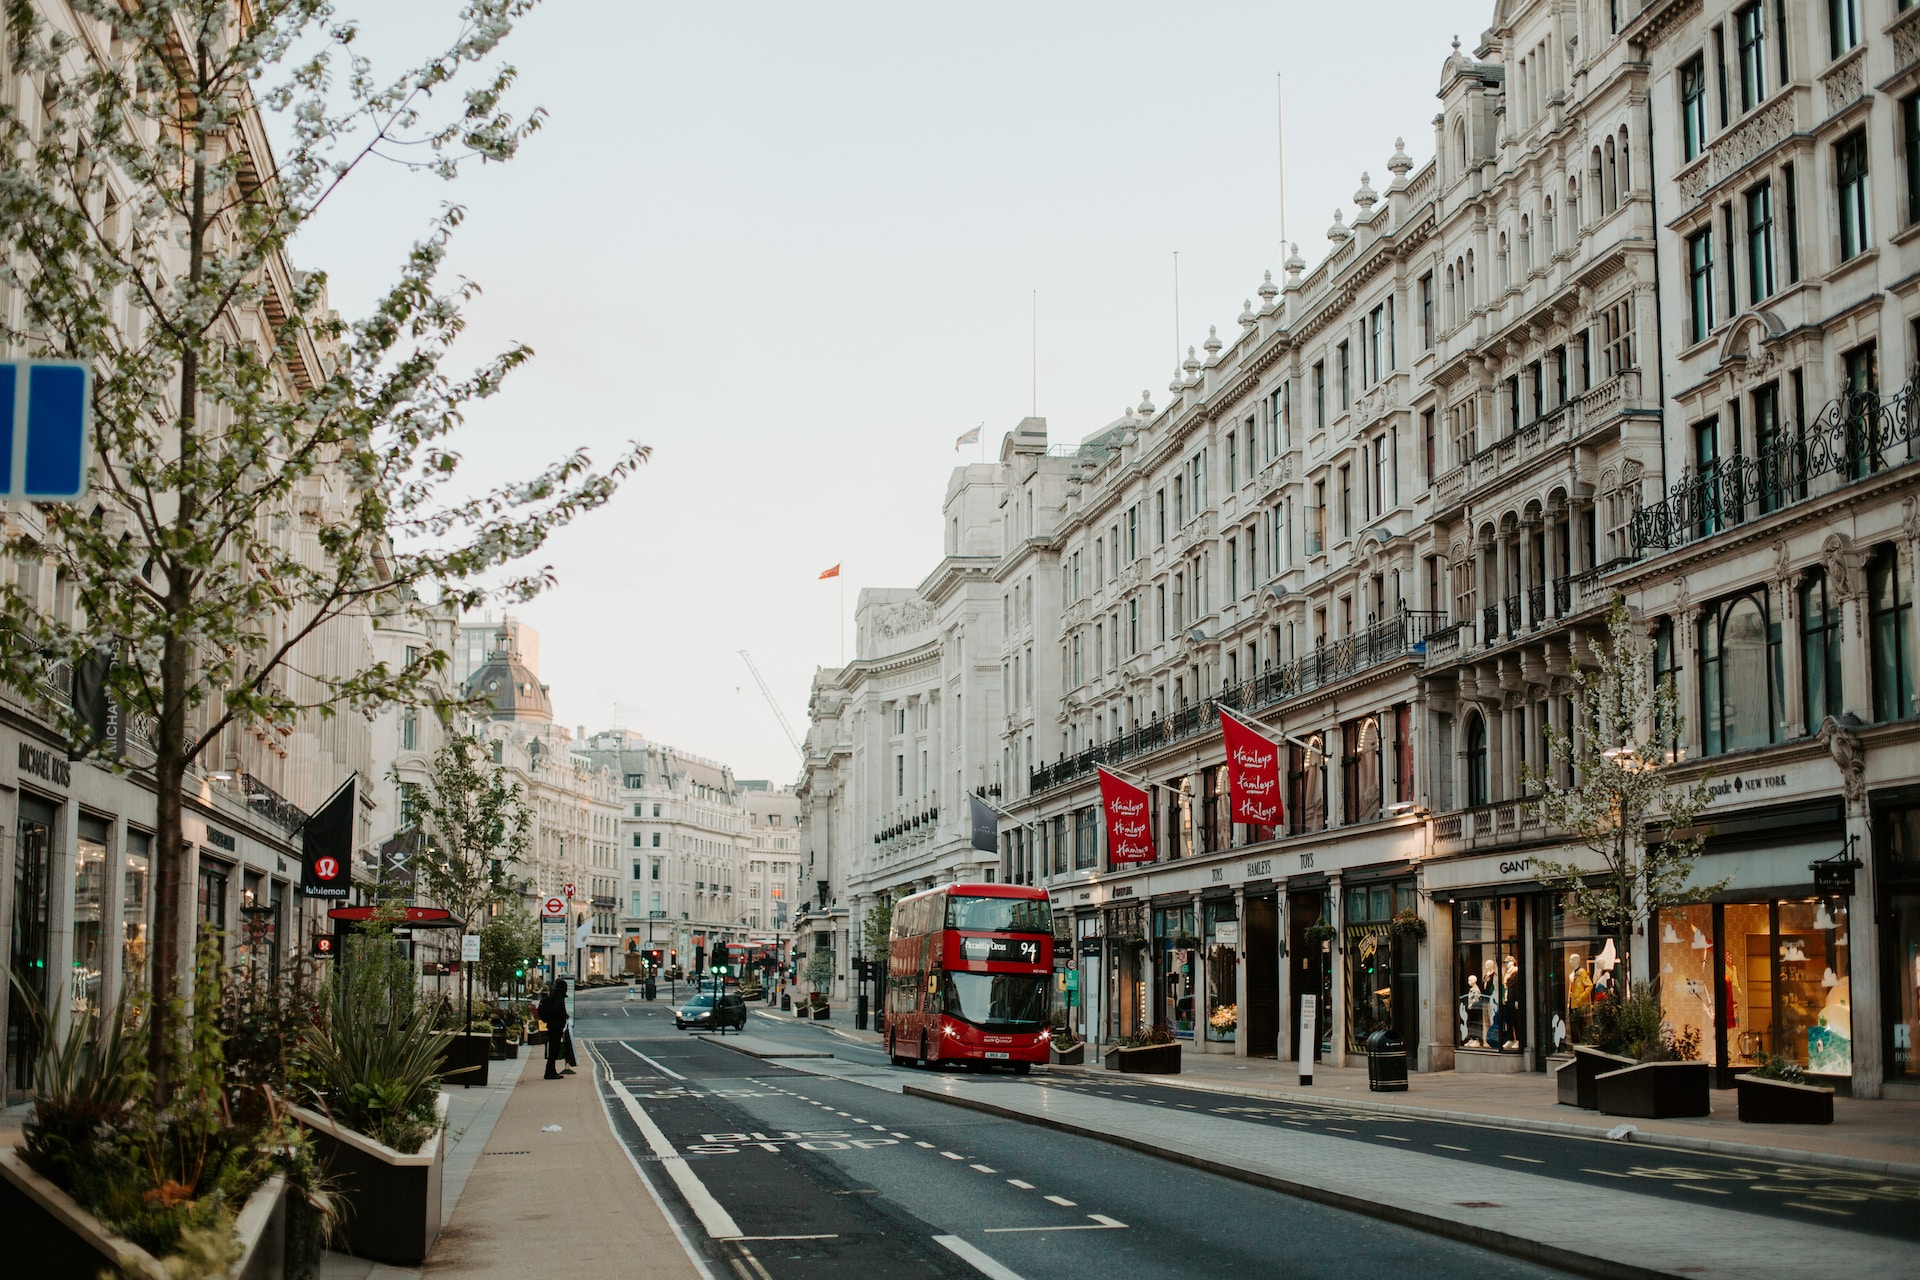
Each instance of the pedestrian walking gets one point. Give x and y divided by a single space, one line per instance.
553 1012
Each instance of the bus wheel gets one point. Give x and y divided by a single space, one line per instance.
1021 1068
893 1051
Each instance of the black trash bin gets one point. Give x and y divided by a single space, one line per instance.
1386 1063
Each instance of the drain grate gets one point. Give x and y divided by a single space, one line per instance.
506 1153
1478 1204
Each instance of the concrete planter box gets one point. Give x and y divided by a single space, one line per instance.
392 1199
817 1012
1657 1090
1782 1102
1575 1083
48 1233
464 1059
1153 1060
1069 1057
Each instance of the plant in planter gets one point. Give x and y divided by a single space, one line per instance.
1151 1052
1224 1019
1407 925
1318 932
1185 942
107 1173
1779 1091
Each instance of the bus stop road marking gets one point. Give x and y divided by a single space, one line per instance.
1101 1222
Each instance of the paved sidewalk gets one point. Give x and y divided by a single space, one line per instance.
1593 1226
1878 1135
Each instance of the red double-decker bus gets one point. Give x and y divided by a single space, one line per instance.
969 976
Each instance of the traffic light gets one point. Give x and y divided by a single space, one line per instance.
719 965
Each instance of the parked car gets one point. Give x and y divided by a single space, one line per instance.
713 1012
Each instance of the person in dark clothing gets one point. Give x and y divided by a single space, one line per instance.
553 1012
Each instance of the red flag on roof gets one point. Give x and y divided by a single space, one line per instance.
831 573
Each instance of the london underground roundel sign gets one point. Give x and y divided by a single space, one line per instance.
554 907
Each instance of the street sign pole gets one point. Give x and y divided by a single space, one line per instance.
1309 1035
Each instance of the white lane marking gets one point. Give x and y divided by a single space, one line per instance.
1101 1222
951 1156
1015 1182
1061 1200
1524 1159
1447 1146
1796 1204
979 1261
673 1224
880 1128
828 1237
982 1168
718 1222
1392 1138
665 1071
927 1145
903 1137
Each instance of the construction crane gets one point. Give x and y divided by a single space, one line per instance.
778 714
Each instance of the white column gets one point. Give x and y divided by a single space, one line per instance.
1240 971
1337 979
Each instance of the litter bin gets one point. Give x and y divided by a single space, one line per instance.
1386 1063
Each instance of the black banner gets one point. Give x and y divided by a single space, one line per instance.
326 845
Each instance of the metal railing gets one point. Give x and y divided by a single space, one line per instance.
271 805
1856 437
1404 634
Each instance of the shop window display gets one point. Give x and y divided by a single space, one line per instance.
133 909
1490 1006
89 913
1222 950
1179 961
1787 991
1582 966
1382 967
1687 977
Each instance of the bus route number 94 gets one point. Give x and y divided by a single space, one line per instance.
1016 950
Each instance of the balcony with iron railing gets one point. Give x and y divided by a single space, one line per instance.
1402 635
1856 438
1491 826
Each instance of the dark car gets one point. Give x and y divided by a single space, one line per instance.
713 1012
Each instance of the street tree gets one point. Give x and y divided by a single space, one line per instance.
474 826
877 928
507 943
263 469
1613 791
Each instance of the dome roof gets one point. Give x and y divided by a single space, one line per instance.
509 685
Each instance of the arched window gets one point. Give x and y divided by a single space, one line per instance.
1460 145
1596 186
1547 228
1610 179
1626 162
1473 296
1503 263
1453 300
1526 244
1739 676
1573 208
1476 760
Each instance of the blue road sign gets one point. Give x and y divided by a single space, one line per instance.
46 429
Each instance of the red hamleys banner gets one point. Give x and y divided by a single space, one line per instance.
1253 774
1129 826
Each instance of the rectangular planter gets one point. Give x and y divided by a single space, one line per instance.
48 1233
1069 1057
1153 1060
392 1200
820 1013
1575 1083
1656 1090
1782 1102
464 1060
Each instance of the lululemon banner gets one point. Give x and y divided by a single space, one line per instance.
1129 829
326 843
1253 774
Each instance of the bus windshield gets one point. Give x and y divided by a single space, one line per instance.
999 915
1002 1000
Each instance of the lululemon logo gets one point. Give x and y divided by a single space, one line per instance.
326 868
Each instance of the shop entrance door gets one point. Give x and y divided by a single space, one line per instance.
1261 953
32 853
1311 966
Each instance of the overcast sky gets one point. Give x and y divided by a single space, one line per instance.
795 247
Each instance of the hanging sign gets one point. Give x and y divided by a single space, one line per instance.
1253 774
1129 833
322 946
1834 875
470 948
326 848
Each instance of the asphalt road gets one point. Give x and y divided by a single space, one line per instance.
822 1172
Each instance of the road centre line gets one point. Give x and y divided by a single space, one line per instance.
979 1261
1062 1201
665 1071
1015 1182
1392 1137
1523 1159
952 1156
903 1137
1447 1146
718 1222
927 1145
1818 1208
982 1168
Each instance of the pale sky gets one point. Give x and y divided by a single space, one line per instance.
794 247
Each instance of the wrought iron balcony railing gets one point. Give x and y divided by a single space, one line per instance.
1403 634
1856 437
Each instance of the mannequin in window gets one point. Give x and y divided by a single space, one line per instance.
1490 985
1470 1012
1512 1004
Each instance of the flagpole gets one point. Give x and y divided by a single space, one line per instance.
1264 727
843 614
1137 780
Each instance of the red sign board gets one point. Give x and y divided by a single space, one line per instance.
1253 774
322 945
553 907
1129 829
569 893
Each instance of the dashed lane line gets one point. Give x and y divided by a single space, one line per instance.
1015 1182
982 1168
1062 1201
